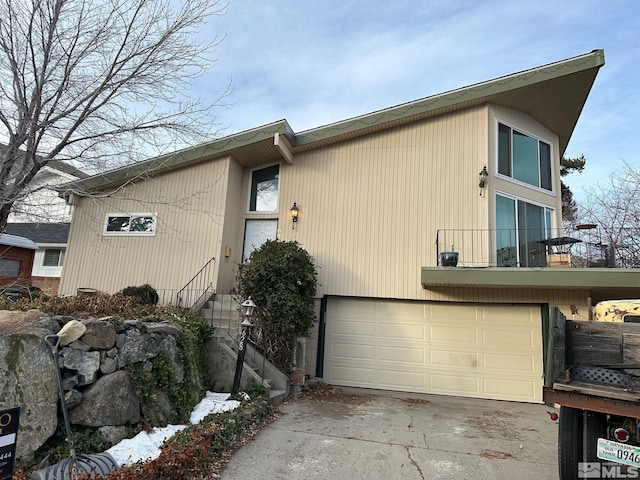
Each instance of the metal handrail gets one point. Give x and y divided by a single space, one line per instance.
191 283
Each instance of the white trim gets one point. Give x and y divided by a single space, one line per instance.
551 144
283 148
263 167
128 233
525 199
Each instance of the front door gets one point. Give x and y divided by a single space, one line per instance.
256 233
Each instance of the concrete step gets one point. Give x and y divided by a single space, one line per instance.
276 397
222 312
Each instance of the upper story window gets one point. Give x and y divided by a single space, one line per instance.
264 189
53 257
130 224
524 158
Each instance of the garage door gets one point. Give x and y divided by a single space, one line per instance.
467 350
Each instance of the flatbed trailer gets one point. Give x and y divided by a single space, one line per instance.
593 374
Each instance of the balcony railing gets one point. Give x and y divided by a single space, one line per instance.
521 248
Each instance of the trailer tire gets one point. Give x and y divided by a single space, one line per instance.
569 442
596 428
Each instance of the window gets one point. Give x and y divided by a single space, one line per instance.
520 226
53 257
130 224
524 158
9 268
264 190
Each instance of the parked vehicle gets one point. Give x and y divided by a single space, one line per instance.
594 375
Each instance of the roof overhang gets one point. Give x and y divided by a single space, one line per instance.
625 281
265 144
552 94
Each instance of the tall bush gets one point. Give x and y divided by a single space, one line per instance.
282 280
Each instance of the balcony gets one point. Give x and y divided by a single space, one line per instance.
544 259
533 248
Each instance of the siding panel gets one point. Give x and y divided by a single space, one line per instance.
190 208
370 207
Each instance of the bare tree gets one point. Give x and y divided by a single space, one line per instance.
614 208
98 83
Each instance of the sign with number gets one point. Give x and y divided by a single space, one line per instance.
8 436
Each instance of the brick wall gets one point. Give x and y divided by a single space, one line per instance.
48 285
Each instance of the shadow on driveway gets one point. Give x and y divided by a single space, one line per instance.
371 434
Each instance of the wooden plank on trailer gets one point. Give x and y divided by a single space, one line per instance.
556 347
630 349
595 343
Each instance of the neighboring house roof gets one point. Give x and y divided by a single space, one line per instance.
66 168
552 94
40 232
58 165
16 241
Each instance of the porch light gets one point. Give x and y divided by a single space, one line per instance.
484 174
294 213
249 306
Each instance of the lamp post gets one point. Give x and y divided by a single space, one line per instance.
248 307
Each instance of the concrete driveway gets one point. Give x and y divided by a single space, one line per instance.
364 434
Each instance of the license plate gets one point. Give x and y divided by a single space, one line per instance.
618 452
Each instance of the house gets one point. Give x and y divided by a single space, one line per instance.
16 261
40 202
378 199
51 242
42 216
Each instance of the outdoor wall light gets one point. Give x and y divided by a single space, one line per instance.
484 174
294 213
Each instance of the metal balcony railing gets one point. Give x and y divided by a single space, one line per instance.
521 248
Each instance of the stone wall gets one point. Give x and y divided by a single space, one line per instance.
95 364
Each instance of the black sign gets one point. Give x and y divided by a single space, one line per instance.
8 436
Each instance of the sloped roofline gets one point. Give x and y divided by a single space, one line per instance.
512 90
16 241
484 91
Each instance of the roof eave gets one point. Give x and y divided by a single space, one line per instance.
153 166
514 91
491 91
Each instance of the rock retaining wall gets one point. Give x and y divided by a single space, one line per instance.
98 387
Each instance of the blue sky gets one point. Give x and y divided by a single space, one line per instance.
317 62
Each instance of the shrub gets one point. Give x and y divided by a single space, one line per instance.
281 279
146 294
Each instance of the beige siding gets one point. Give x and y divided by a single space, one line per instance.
233 228
370 208
190 205
561 298
369 212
